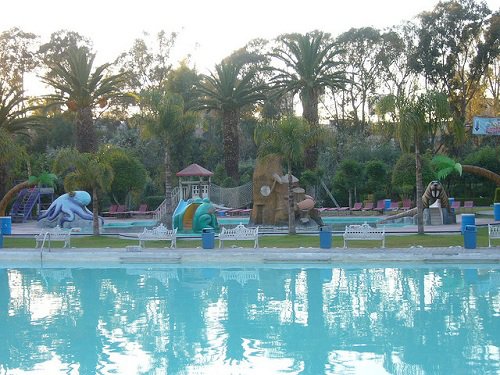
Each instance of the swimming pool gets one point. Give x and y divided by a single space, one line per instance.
273 320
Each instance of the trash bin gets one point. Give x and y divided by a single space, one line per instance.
325 237
1 239
470 237
467 219
387 204
208 238
496 211
6 224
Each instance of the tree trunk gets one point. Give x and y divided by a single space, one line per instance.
230 121
11 194
310 100
86 138
95 212
420 189
291 205
478 171
168 188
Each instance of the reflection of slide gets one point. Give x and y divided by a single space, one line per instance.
194 214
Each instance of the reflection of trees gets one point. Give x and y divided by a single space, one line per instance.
194 318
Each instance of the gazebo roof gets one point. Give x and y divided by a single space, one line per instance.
194 170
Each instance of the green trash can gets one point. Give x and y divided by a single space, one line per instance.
208 238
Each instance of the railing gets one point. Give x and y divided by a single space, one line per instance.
47 234
161 211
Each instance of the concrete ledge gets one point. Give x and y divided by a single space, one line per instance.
116 257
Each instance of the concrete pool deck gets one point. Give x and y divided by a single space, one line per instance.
238 255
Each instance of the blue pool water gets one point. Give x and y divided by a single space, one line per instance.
254 320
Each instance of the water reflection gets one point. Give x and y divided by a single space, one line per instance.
226 321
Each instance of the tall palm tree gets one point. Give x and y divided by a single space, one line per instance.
228 90
82 90
310 66
167 122
84 171
287 138
415 118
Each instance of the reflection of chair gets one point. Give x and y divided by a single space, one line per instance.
468 205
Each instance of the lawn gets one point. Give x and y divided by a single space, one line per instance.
279 241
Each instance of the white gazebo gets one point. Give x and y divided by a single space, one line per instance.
194 182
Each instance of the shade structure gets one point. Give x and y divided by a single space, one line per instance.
194 170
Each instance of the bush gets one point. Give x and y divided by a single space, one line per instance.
496 199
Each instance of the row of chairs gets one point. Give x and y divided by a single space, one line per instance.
121 211
370 206
457 206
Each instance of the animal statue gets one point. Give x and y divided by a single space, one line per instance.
204 217
434 196
66 208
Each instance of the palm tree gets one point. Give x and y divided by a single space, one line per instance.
416 118
311 66
227 91
287 138
83 90
446 166
84 171
167 122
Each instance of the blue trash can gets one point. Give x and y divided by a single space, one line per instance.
387 204
208 238
1 239
470 237
496 211
325 237
6 224
467 219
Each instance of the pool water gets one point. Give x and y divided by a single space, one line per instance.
263 319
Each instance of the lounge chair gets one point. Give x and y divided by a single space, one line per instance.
111 211
143 210
357 206
394 206
380 206
122 211
406 205
368 206
469 205
455 206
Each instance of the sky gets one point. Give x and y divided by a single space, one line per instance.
209 30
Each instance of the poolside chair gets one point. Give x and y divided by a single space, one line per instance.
122 211
368 206
468 205
357 206
455 206
380 206
111 211
143 210
394 206
406 205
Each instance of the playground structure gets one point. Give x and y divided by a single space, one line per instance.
194 210
69 211
30 200
270 196
436 207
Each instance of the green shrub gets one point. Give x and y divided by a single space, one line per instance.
496 199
